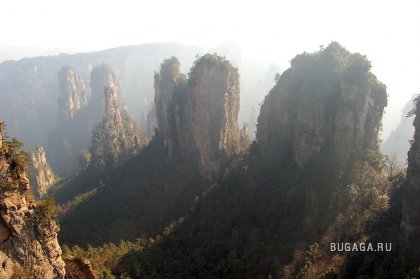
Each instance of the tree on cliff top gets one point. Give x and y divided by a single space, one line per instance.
215 59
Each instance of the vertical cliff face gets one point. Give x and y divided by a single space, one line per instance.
73 96
410 223
211 111
199 116
72 132
168 83
28 233
40 173
327 101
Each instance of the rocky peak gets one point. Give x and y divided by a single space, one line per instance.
28 232
40 173
326 102
199 115
72 93
410 223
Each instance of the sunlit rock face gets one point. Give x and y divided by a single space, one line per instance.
73 96
112 112
28 234
198 115
327 101
41 176
410 223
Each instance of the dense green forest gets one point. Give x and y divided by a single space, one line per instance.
249 225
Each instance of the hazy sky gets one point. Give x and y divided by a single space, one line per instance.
388 32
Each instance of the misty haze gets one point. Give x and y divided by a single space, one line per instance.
209 140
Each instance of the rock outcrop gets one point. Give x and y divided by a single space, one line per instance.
198 116
102 78
73 96
72 133
410 223
29 88
28 232
41 176
327 102
116 138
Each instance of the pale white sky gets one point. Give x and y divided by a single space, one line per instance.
388 32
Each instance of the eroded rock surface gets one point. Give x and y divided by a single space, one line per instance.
40 173
116 138
28 232
327 101
198 116
73 128
73 96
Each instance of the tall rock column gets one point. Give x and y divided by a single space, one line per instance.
322 119
410 223
167 83
198 116
116 138
326 102
102 78
211 111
